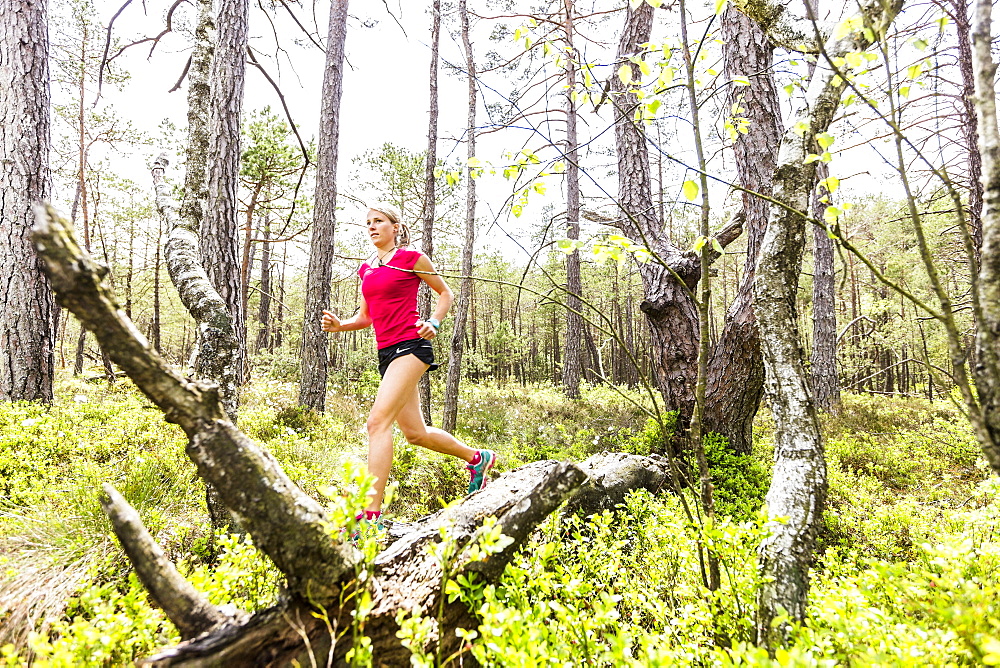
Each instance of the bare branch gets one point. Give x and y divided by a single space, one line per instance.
302 27
291 123
107 46
187 66
184 605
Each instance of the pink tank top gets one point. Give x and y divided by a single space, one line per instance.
391 296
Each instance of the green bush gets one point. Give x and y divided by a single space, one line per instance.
741 481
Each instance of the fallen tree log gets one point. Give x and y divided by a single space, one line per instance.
312 621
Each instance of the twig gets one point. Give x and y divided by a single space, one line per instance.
107 47
291 122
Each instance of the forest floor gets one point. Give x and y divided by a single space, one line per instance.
905 575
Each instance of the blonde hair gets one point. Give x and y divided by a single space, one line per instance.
395 217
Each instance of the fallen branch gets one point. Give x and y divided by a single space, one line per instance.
291 528
184 605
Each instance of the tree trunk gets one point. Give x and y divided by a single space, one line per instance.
799 484
670 280
154 325
987 371
668 303
218 356
27 307
430 195
573 353
312 386
969 123
264 308
218 234
735 368
199 91
823 362
465 289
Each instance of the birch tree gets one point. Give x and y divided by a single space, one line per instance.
798 489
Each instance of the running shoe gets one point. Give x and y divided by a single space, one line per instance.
373 527
478 471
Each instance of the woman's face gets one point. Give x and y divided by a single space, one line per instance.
381 230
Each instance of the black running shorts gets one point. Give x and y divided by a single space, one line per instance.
421 348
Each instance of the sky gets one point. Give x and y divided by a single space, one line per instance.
385 96
385 99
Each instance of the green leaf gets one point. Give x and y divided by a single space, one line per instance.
831 214
699 243
720 5
625 74
830 184
644 67
475 162
914 71
743 81
920 43
655 4
847 26
812 157
825 140
717 246
800 128
539 188
691 190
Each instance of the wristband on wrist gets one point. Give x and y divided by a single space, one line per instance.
433 322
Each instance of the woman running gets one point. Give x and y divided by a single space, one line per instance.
389 282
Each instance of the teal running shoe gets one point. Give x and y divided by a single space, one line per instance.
478 471
373 527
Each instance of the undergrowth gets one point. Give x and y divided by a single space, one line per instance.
903 574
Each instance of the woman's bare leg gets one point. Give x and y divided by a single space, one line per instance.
411 423
397 395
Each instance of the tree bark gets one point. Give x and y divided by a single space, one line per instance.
185 606
969 122
735 368
799 484
218 234
27 309
430 195
312 386
195 200
573 353
217 359
823 379
465 288
733 392
987 372
668 301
